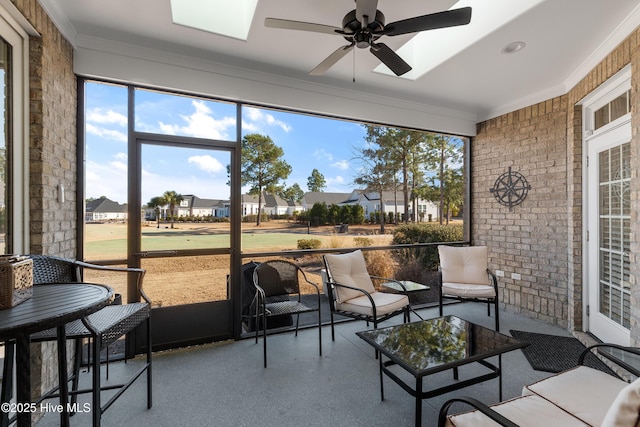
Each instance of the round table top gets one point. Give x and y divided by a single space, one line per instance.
53 305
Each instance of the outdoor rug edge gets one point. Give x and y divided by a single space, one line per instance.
555 353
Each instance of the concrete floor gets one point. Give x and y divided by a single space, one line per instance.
225 384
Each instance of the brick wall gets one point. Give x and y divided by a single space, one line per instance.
541 239
52 158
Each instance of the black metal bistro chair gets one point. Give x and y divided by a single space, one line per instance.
101 328
352 293
277 284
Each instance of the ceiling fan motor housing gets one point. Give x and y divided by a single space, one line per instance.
362 36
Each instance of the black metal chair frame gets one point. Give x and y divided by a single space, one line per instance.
374 318
503 421
489 301
276 300
101 329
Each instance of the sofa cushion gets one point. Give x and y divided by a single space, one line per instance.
385 304
625 410
530 411
585 392
349 269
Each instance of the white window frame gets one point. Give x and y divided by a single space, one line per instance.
15 30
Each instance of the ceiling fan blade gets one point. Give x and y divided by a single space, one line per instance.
448 18
366 8
330 60
389 58
301 26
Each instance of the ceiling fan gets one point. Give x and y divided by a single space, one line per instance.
363 26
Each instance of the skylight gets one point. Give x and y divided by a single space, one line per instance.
428 49
230 18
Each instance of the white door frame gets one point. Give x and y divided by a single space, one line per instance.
595 141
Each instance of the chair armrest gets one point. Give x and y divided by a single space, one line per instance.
633 350
139 272
494 280
373 304
442 416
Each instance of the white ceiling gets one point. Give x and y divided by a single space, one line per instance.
564 40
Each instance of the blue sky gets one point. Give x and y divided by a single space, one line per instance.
308 142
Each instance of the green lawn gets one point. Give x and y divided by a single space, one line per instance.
115 247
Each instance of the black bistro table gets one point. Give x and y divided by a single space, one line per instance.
51 306
429 346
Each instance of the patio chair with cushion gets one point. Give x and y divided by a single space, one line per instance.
101 328
277 284
352 292
464 275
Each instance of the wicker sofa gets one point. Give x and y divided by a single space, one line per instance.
581 396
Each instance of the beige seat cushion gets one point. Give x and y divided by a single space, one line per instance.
385 304
585 392
468 290
625 410
525 411
349 269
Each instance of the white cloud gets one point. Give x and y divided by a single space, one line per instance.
342 165
98 115
322 154
201 124
207 164
254 118
101 132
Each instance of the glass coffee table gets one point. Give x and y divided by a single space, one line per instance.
430 346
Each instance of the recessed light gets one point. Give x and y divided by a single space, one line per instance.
513 47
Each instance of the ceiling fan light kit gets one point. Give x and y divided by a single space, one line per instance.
363 31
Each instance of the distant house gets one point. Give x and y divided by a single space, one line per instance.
313 197
194 206
371 202
103 209
272 205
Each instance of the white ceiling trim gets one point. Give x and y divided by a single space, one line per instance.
133 64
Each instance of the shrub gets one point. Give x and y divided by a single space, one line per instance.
380 264
362 242
309 244
425 233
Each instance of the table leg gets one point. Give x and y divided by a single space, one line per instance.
23 374
418 401
63 376
381 373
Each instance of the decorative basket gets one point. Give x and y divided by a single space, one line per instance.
16 280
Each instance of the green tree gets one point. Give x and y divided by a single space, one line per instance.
156 203
292 194
262 166
375 173
444 157
316 182
172 199
318 213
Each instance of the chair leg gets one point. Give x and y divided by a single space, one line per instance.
76 370
96 409
149 376
319 331
264 336
497 315
297 320
7 379
333 333
440 302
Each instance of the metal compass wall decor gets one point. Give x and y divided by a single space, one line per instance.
510 189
